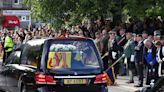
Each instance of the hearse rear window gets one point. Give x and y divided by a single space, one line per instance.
72 54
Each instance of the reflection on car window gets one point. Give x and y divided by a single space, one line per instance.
17 57
10 58
72 54
14 58
31 54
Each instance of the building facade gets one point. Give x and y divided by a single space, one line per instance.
17 8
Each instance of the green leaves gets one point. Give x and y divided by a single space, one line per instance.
59 12
142 8
73 11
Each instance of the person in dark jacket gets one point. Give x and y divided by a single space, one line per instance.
104 47
113 50
151 62
122 38
160 58
121 41
139 60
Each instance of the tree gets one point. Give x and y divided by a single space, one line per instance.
142 8
73 11
59 12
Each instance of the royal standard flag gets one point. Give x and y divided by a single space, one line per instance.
59 60
111 76
110 72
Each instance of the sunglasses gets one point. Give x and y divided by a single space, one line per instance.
112 33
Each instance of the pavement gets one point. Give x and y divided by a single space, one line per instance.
122 86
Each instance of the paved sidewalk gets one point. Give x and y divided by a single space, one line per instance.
123 86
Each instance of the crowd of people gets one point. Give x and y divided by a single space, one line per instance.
142 43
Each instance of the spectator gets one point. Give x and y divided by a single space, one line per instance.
28 36
104 47
113 51
121 41
139 60
8 45
21 35
144 35
122 38
98 40
151 63
157 35
81 33
160 57
129 55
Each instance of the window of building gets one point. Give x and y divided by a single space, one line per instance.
19 17
27 17
23 18
16 1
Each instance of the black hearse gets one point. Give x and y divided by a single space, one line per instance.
70 64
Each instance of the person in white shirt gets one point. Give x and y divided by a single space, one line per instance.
160 57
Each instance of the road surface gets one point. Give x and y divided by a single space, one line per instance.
122 86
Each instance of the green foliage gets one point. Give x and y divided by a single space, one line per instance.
142 8
73 11
60 12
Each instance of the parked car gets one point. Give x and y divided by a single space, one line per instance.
55 65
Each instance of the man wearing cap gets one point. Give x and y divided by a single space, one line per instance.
139 60
129 55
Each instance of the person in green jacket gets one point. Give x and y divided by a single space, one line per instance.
129 55
8 46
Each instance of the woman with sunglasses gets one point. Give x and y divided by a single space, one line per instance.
113 51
